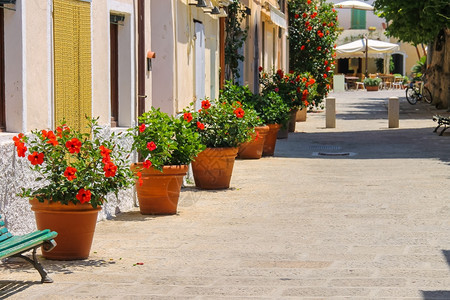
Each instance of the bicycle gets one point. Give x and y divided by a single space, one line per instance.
417 92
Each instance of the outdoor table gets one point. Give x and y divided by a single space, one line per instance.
351 81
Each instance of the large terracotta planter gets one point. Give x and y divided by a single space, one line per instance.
301 115
213 167
371 88
74 223
254 148
271 139
160 191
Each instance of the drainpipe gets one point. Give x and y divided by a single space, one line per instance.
141 57
175 46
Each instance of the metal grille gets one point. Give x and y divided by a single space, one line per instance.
325 148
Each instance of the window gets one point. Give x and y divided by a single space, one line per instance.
114 66
358 19
72 62
2 75
282 5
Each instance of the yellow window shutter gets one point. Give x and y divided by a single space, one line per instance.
72 62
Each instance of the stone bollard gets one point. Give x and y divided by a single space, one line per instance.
393 112
330 110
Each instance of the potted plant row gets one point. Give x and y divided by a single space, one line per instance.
75 171
166 146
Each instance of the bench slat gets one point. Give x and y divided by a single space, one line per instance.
22 239
27 245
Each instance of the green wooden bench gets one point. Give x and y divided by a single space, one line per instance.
15 246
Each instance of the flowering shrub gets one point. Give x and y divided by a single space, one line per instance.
294 88
223 124
74 167
163 140
312 35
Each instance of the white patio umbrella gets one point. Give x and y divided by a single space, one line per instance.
354 4
365 48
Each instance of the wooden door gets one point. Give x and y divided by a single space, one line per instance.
114 66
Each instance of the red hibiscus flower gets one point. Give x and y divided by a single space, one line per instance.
18 139
142 128
110 169
74 145
327 69
200 126
305 15
297 16
239 112
187 117
21 149
206 104
70 173
139 175
104 151
305 92
304 79
307 23
36 158
325 75
280 73
319 48
84 196
320 34
309 1
147 164
312 81
309 28
302 47
260 69
151 146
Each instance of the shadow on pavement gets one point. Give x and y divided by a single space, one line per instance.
9 288
375 144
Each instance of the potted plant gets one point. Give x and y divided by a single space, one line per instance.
76 172
241 94
222 127
372 84
166 145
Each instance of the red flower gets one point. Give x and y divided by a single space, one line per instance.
151 146
314 15
309 28
325 62
104 151
305 92
70 173
206 104
320 34
305 102
296 16
309 1
280 73
187 117
84 196
305 15
256 136
327 69
302 47
239 112
307 23
18 139
21 149
61 129
260 69
312 81
74 145
36 158
200 126
304 79
139 175
319 48
277 89
325 75
147 164
142 128
110 169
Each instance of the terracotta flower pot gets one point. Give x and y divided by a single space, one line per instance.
370 88
301 115
254 148
283 133
293 120
271 139
74 223
160 191
213 167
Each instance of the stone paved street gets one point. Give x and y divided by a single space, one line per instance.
374 224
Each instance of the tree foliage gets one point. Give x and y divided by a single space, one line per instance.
414 21
312 37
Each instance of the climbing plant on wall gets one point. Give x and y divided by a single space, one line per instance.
236 34
312 36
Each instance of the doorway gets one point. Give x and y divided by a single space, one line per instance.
398 60
114 65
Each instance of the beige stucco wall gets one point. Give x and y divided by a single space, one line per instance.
173 69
